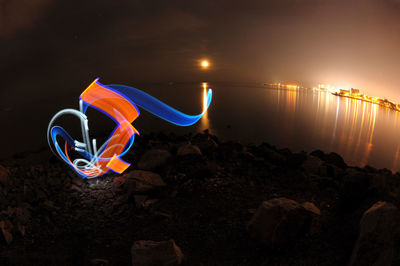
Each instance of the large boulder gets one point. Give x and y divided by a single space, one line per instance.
140 181
335 159
4 175
312 165
271 154
230 150
205 143
189 150
280 220
295 160
376 243
331 158
154 159
6 227
151 253
355 185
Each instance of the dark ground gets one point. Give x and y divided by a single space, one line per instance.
59 219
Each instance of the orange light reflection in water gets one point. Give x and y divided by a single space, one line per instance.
396 163
290 104
356 131
204 121
346 126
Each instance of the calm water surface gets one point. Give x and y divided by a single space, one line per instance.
299 119
303 119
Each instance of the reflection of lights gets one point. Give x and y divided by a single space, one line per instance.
396 157
359 123
336 121
291 100
205 122
204 96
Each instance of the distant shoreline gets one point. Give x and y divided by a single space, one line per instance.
384 103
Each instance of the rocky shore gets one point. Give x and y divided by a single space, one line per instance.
195 200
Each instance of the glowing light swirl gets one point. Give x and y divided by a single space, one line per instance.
119 103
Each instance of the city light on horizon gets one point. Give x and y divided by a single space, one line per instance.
347 92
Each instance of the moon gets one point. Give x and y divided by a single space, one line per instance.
205 64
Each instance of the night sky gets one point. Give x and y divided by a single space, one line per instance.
49 48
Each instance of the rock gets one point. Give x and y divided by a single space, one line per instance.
285 152
205 143
208 146
161 215
151 253
324 183
139 200
77 180
370 169
147 203
247 156
99 262
29 194
381 184
376 243
355 185
312 165
315 225
318 153
324 170
143 201
233 146
6 228
230 150
4 175
280 220
200 170
21 229
335 159
76 188
188 149
309 206
140 181
271 154
332 158
296 159
48 205
385 171
154 159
